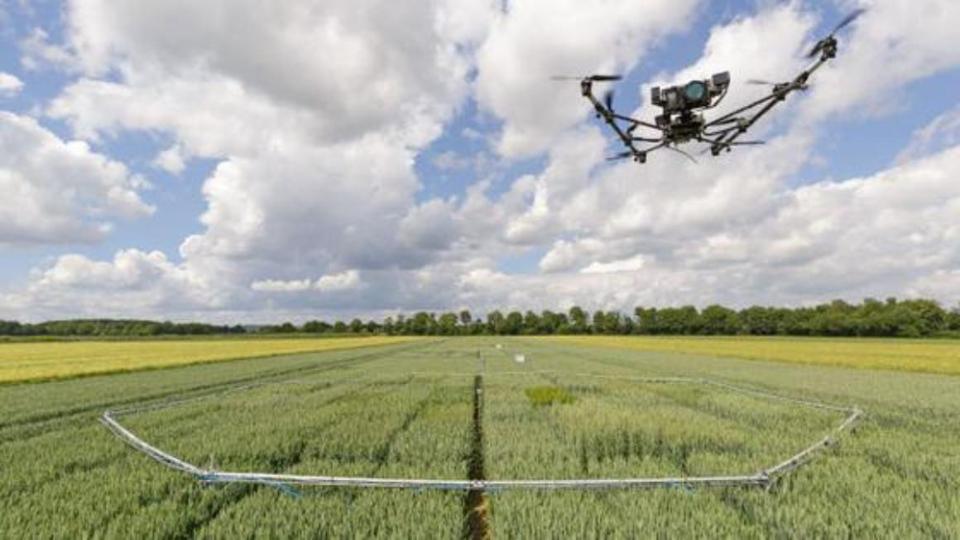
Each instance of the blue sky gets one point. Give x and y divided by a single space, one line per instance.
533 210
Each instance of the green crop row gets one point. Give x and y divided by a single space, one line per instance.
407 411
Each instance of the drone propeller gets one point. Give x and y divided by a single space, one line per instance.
727 145
778 87
608 100
621 155
843 24
594 78
681 152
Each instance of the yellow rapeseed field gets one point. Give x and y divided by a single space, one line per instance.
28 361
931 356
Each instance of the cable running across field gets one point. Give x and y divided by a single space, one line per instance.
762 479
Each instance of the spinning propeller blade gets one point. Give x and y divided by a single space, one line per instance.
843 24
608 100
681 152
621 155
854 15
594 78
727 145
761 82
605 78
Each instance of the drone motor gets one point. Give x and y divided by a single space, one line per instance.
683 106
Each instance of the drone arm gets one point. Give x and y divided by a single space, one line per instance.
611 119
637 123
733 115
727 136
725 140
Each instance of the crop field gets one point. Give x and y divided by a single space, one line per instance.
26 361
922 355
464 409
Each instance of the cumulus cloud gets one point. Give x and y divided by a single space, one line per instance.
171 160
10 85
134 283
325 71
57 191
943 132
343 281
314 204
894 43
535 39
40 53
276 285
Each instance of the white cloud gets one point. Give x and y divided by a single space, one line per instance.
894 43
10 85
171 160
343 281
56 191
273 285
941 133
451 161
632 264
327 72
134 283
39 53
536 39
316 150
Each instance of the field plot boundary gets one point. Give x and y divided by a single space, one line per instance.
762 479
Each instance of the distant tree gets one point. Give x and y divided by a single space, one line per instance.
317 327
598 321
578 320
612 322
448 324
718 320
550 322
758 320
286 328
953 319
646 320
513 324
531 323
871 317
420 324
678 321
356 326
495 322
627 326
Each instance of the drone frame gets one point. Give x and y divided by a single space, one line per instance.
721 133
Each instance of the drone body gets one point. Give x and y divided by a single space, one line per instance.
683 119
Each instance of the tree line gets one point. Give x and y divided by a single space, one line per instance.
870 318
114 327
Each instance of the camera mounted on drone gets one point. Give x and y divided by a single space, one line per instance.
691 96
683 106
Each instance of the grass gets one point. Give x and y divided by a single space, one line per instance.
926 356
39 361
407 411
548 395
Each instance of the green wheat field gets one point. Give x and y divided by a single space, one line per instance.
406 409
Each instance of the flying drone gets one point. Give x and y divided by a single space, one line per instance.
682 119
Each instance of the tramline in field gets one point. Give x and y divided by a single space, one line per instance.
572 411
763 478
